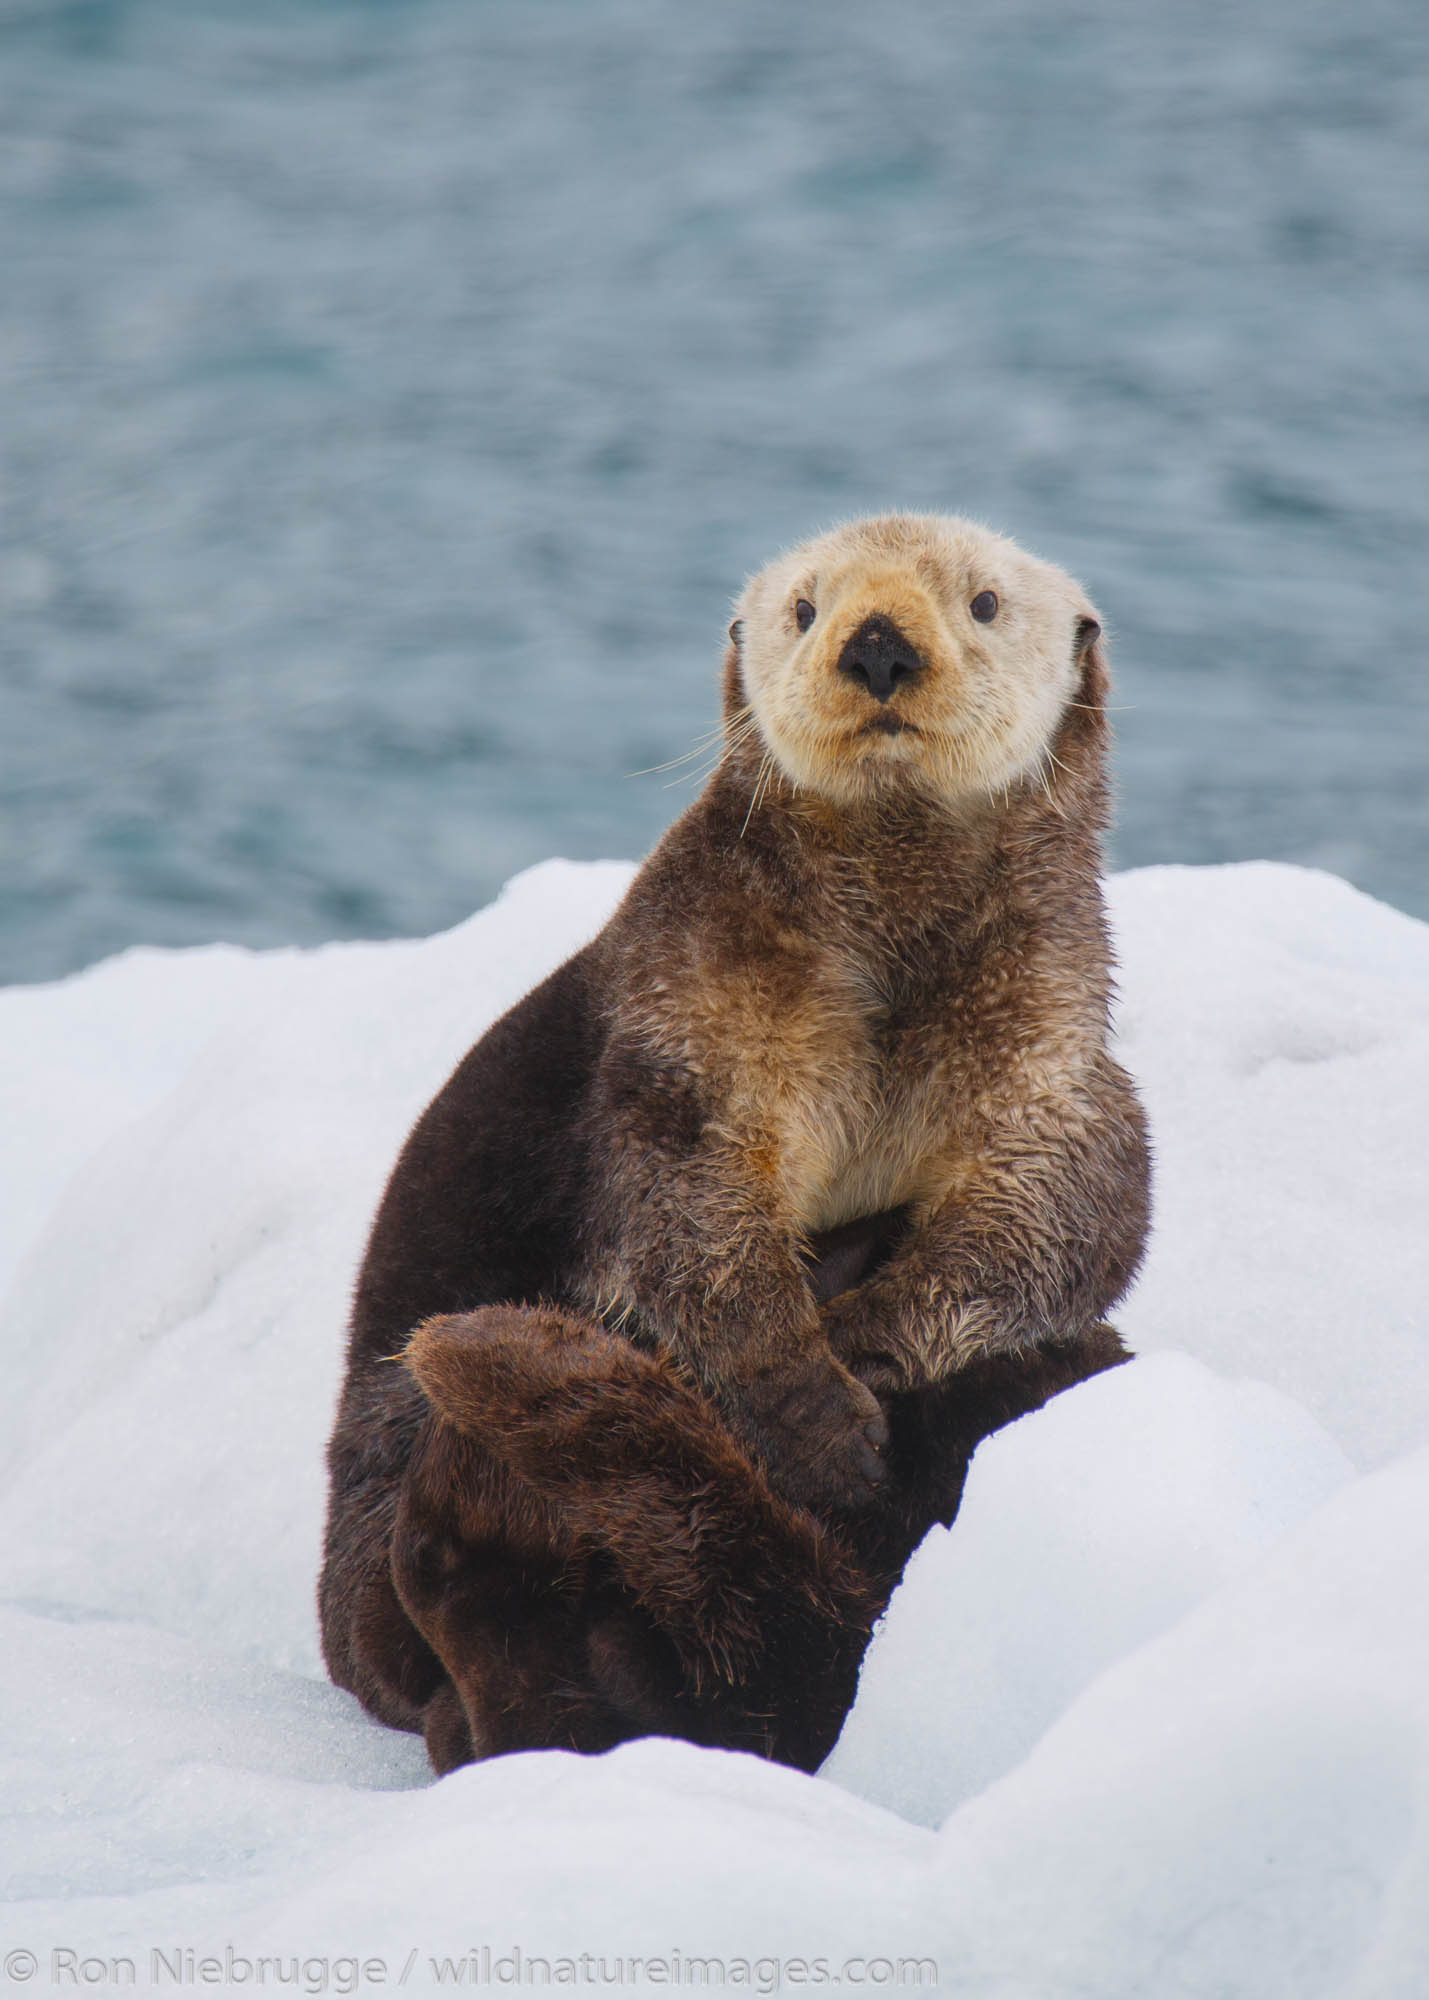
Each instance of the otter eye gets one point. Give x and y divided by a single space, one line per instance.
984 607
804 613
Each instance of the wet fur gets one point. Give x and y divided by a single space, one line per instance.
722 1250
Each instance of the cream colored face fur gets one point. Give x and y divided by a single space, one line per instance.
985 707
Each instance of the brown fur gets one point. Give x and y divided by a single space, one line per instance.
720 1252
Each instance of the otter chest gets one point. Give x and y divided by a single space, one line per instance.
854 1101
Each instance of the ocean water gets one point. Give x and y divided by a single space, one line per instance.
394 395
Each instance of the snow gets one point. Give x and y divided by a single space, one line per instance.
1147 1489
1151 1718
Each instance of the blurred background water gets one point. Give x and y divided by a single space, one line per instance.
395 394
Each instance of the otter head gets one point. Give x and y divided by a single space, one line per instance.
911 651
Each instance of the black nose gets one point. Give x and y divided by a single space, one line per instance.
880 657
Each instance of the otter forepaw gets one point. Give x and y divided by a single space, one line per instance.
866 1347
822 1437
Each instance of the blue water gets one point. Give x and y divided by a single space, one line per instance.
394 395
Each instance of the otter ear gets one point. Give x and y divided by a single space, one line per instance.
732 687
1089 650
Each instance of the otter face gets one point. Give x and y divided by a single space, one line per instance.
910 650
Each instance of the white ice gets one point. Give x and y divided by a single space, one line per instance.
1152 1718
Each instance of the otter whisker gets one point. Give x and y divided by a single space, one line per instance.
685 757
742 720
692 777
735 741
765 774
766 770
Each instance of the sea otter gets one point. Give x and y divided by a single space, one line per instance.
694 1289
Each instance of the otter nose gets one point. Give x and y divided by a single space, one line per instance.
878 655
